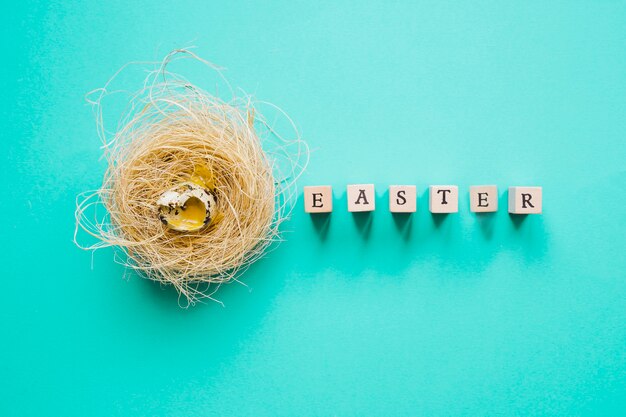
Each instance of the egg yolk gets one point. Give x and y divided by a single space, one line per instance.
189 217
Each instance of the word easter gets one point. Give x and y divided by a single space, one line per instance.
442 199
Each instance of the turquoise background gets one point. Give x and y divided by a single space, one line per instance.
464 315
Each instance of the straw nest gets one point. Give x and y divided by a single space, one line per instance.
171 128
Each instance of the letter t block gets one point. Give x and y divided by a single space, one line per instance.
444 199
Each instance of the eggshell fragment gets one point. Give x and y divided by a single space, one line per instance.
186 207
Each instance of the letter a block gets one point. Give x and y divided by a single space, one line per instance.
318 199
402 198
444 199
483 198
525 200
361 197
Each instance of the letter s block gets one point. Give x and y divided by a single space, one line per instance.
525 200
402 198
318 199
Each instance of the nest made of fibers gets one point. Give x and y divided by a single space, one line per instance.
170 128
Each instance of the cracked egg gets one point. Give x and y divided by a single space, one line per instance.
186 207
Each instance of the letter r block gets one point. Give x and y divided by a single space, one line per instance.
361 197
318 199
402 198
444 199
525 200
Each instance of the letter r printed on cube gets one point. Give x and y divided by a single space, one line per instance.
525 200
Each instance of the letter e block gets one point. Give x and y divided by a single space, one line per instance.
361 197
318 199
525 200
483 198
402 198
444 199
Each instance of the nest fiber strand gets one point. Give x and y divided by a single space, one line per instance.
170 129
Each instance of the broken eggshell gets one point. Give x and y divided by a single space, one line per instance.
186 207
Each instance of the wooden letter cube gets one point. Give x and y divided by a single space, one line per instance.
525 200
483 198
444 199
361 197
318 199
402 198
